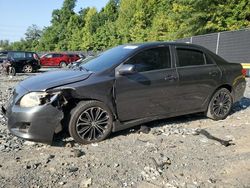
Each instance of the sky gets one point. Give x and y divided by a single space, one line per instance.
17 15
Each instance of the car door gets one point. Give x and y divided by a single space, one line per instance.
198 78
151 90
19 59
29 57
46 60
58 58
71 58
55 60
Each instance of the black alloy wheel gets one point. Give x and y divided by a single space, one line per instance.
91 121
220 104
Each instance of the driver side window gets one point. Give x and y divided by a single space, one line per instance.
151 59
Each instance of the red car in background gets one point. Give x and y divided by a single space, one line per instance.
58 59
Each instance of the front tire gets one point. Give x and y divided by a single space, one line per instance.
91 121
220 105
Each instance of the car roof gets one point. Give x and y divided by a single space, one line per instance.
6 51
55 53
151 44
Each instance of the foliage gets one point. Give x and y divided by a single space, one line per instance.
124 21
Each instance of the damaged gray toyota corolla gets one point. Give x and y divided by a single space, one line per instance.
123 87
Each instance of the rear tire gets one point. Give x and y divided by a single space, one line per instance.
63 64
12 71
91 121
220 104
27 68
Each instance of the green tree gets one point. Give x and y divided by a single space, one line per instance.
5 45
88 30
55 36
106 36
33 33
124 21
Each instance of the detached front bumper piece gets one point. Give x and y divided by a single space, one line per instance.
36 124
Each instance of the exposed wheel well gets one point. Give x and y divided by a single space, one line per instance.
227 86
71 104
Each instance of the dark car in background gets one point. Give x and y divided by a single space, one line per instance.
58 59
21 61
123 87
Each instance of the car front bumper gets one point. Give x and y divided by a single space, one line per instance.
36 123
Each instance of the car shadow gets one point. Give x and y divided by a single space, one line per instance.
62 139
160 123
243 104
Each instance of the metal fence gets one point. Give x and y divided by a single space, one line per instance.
234 46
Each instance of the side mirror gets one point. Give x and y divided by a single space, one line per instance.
127 69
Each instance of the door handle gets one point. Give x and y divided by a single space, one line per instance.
170 77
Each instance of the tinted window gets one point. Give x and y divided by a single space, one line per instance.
57 55
189 57
108 58
18 55
152 59
209 60
29 55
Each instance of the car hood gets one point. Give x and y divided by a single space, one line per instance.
53 79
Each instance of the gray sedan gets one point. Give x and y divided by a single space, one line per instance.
123 87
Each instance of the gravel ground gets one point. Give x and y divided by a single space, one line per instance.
188 151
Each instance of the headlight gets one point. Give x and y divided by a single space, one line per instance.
35 99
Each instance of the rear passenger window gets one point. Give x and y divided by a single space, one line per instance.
29 55
152 59
209 61
57 55
190 57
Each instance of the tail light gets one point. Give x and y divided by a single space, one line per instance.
244 72
36 56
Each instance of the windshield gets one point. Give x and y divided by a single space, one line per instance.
106 59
